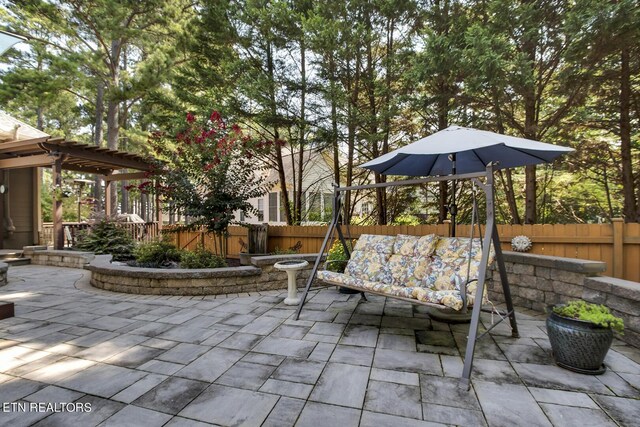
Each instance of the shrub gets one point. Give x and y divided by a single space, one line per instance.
201 258
337 258
105 237
594 313
157 254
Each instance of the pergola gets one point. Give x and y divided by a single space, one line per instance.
60 154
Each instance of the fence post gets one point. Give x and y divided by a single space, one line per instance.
618 247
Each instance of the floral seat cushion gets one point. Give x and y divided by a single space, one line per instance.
449 299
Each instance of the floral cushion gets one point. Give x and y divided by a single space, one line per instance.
370 257
427 268
450 264
341 279
374 243
408 270
426 245
405 245
457 247
369 265
409 263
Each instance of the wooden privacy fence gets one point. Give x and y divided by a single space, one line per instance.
617 244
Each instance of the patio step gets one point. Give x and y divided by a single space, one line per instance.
14 257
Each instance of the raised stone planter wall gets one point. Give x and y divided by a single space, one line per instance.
4 267
260 276
537 281
39 255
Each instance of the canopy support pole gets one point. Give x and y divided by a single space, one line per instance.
335 223
490 236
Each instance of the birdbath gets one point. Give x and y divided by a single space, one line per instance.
292 268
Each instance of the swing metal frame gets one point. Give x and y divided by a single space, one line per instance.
490 236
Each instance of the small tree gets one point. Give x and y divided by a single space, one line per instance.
211 173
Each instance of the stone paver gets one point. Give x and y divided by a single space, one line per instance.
171 395
509 404
102 380
131 416
395 399
318 414
341 384
244 360
230 406
571 416
246 375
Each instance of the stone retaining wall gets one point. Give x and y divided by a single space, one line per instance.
4 267
40 255
537 281
260 276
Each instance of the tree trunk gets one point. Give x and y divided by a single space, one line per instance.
508 182
97 140
113 107
628 184
353 88
381 193
276 135
39 118
302 129
443 186
530 131
334 120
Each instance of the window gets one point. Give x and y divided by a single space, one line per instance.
241 216
273 207
283 214
261 210
366 208
327 209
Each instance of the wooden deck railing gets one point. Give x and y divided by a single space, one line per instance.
140 232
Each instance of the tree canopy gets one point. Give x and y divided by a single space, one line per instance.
356 79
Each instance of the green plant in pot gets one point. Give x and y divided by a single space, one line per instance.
580 334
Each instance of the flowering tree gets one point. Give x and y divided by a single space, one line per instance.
211 172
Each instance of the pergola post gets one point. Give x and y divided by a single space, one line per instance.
58 231
158 210
108 209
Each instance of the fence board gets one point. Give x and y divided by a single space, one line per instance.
585 241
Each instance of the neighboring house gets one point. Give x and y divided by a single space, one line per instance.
20 211
317 188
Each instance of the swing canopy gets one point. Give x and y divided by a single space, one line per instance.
473 149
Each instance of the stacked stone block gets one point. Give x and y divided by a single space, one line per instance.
537 281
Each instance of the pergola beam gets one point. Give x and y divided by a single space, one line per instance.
27 162
107 159
126 176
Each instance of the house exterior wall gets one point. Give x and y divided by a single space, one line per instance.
22 207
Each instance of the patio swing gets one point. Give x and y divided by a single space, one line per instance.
400 292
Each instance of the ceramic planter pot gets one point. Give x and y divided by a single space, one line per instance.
578 345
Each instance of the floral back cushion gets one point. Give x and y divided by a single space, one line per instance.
409 263
375 243
370 257
450 267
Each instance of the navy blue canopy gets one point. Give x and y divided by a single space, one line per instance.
473 149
